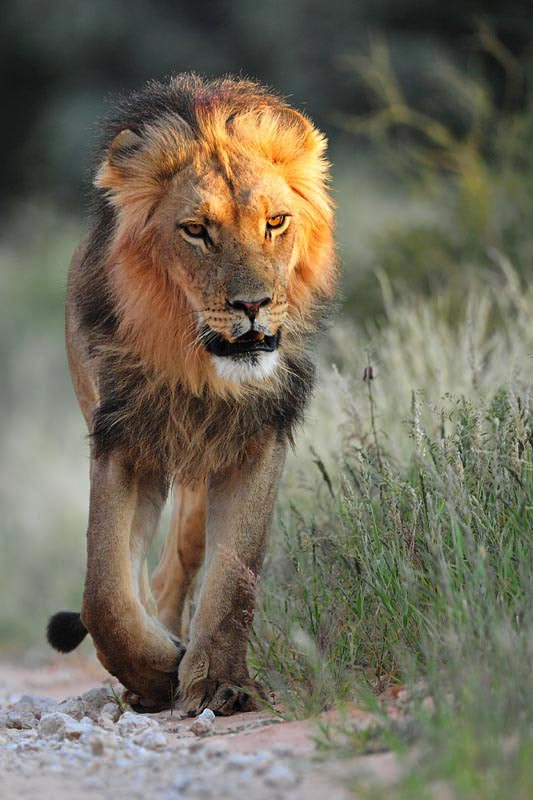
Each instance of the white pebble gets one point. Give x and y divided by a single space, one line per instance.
130 723
61 725
203 723
207 715
74 707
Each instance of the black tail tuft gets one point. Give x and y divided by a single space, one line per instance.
65 631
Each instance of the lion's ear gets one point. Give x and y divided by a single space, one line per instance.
117 161
296 120
312 140
124 144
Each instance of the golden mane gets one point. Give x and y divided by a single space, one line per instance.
155 314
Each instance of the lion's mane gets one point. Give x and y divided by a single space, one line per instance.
158 399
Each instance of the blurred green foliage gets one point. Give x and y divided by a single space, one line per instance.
62 59
475 184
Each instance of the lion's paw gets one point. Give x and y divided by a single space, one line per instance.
149 688
224 697
146 705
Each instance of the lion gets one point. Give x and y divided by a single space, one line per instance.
193 307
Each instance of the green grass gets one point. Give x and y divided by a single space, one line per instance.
416 565
421 544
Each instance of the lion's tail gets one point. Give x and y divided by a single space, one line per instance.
65 631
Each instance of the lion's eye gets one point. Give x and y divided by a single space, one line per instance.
195 230
273 223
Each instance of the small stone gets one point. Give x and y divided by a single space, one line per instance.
151 739
279 776
204 723
130 723
187 783
96 699
245 776
201 728
239 761
112 711
207 715
262 760
183 781
282 750
74 707
20 720
196 746
35 705
95 742
61 725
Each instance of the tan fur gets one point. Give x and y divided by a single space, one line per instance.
181 559
179 421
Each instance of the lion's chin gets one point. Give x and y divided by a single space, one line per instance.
246 368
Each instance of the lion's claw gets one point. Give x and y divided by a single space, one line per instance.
224 697
144 705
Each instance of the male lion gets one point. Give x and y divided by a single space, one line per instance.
192 308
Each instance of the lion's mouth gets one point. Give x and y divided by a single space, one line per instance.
250 342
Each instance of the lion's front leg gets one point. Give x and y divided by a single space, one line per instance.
131 644
240 502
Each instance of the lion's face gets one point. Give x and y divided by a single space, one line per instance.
223 240
231 246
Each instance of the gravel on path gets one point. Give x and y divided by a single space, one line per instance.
57 744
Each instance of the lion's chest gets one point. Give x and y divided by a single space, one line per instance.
170 430
175 432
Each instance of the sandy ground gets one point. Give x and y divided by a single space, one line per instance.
52 749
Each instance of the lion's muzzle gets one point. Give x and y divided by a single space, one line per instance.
252 341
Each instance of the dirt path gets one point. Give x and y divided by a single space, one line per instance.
86 748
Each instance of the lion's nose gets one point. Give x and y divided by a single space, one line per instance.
250 307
